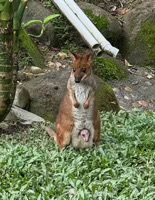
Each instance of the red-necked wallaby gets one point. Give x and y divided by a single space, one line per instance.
78 120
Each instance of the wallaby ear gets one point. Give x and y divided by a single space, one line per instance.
89 57
74 56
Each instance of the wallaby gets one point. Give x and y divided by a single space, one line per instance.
78 120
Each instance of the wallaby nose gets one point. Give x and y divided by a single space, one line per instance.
77 80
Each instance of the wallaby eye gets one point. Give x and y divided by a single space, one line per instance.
84 70
73 70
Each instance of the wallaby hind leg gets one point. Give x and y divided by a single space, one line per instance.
62 140
51 133
64 135
97 127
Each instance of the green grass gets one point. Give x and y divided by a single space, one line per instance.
121 168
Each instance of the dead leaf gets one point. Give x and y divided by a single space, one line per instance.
29 75
135 83
136 105
150 76
116 90
123 11
113 102
128 89
58 65
62 55
114 8
127 64
143 103
51 64
63 66
126 97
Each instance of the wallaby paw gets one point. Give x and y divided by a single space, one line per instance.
76 105
86 105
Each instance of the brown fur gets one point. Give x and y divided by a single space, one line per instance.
66 130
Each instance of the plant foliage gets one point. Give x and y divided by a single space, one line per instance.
121 167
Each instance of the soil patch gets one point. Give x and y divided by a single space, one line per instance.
137 91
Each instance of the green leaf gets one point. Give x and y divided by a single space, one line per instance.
49 18
32 22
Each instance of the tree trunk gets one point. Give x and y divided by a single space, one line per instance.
6 67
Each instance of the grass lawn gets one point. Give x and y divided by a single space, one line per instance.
121 168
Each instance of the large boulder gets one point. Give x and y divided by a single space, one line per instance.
106 24
109 68
47 91
140 25
36 11
104 21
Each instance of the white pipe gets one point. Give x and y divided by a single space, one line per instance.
99 52
105 45
77 24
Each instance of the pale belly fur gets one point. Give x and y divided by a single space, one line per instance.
83 118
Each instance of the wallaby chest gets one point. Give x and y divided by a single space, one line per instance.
81 92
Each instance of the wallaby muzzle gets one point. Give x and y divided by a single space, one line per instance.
77 80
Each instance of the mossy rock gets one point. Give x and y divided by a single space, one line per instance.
36 11
101 22
106 24
68 36
47 91
106 98
140 25
109 68
143 45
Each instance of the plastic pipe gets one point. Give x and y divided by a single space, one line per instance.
105 45
65 9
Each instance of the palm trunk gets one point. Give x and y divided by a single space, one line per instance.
11 13
6 66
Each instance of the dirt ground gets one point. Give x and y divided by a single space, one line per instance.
138 91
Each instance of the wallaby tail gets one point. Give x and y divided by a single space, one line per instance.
51 133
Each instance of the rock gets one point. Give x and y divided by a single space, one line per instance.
140 26
36 11
150 76
109 68
104 21
21 76
22 97
128 89
47 91
126 97
148 83
29 75
116 90
25 117
4 125
106 24
36 70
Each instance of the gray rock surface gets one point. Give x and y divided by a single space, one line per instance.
22 97
22 116
36 11
140 26
48 90
113 31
